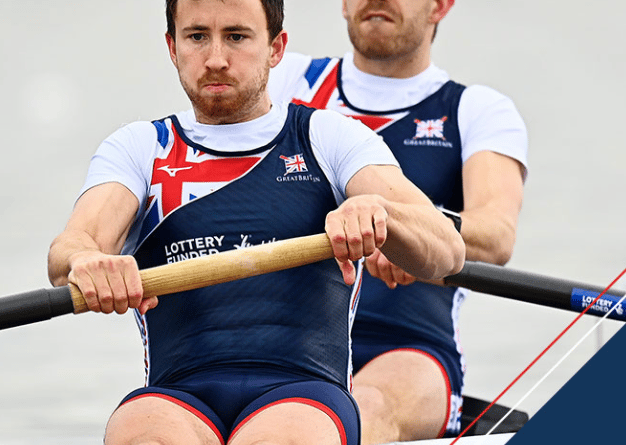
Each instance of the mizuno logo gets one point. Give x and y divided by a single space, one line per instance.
172 171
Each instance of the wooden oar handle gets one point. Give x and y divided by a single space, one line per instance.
227 266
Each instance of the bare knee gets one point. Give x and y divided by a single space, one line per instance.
370 399
402 396
123 433
377 411
155 421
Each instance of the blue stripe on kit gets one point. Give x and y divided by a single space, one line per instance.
315 70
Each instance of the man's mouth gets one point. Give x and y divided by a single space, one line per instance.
377 16
216 87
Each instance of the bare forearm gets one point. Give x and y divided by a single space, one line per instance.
100 222
418 237
63 249
422 241
493 191
489 235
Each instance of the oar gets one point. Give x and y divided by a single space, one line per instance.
43 304
538 289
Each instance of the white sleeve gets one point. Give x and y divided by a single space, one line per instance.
343 146
488 120
286 77
125 157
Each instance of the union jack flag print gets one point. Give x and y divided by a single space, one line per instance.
294 164
182 174
431 128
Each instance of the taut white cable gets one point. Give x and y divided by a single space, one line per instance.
593 328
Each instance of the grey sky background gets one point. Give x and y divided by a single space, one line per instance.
72 72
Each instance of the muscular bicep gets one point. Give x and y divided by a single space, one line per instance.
106 213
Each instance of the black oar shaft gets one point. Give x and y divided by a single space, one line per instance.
34 306
537 289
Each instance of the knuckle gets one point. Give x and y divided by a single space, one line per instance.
367 233
92 302
135 295
338 238
104 263
106 298
354 240
121 308
128 261
79 270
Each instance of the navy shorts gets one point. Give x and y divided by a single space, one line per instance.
366 348
226 399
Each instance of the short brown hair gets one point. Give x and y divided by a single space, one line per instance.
274 13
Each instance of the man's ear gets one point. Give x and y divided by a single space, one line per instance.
171 46
278 48
442 7
344 9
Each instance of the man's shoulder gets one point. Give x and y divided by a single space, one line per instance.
478 90
482 96
323 118
134 130
303 62
296 74
296 67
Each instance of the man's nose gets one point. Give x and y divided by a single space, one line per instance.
217 56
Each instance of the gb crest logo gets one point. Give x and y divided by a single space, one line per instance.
431 128
294 164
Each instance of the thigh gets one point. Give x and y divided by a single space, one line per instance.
155 415
411 387
307 413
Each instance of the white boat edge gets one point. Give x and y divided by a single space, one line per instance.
492 439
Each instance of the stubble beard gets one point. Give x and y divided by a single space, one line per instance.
222 109
377 46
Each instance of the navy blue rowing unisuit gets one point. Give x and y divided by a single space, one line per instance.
225 351
266 320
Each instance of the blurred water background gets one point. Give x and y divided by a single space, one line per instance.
72 72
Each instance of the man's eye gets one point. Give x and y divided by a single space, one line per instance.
236 37
196 37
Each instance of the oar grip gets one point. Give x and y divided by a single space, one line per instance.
227 266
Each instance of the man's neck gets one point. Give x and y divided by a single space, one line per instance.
400 67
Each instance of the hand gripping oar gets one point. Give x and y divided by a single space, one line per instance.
538 289
43 304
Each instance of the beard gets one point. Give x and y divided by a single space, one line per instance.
378 45
229 108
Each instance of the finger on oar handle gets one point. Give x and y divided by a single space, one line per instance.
31 307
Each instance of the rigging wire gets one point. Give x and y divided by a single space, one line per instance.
541 355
